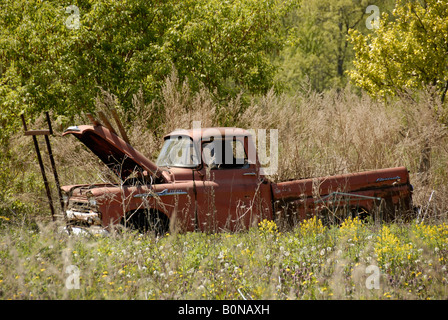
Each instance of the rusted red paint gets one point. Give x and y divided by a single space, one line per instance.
199 197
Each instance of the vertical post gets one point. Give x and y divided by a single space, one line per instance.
42 170
53 165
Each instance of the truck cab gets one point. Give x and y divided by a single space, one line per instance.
221 164
204 179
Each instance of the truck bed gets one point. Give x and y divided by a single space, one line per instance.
362 190
373 181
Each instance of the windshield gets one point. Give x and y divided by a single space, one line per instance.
178 151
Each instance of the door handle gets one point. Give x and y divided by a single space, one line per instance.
249 174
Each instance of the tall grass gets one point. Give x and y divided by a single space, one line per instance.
319 134
310 262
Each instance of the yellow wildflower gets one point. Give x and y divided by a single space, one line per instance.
312 227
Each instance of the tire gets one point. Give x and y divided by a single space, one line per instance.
360 213
148 221
330 218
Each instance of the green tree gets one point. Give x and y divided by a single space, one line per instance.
57 54
225 45
408 52
322 51
30 46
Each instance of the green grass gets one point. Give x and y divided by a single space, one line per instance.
319 134
308 262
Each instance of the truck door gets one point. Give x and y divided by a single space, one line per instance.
232 195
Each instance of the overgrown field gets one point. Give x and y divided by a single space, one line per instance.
319 134
223 57
353 261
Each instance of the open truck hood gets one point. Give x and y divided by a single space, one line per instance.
118 155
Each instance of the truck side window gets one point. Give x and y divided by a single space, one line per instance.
225 154
208 154
240 154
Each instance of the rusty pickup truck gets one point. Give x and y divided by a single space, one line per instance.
204 180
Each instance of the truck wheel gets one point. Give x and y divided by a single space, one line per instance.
146 221
330 218
360 213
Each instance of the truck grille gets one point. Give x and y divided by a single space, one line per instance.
80 206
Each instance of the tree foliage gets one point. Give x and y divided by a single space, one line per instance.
322 51
55 57
407 52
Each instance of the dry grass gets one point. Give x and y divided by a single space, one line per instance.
319 134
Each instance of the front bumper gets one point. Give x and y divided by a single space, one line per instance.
85 231
90 218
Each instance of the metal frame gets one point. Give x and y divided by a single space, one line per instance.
46 134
